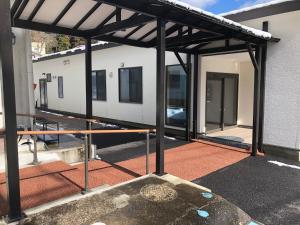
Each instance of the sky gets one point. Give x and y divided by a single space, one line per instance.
220 6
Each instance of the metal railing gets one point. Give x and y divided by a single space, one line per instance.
86 134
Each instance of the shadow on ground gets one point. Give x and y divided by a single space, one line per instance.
267 192
132 152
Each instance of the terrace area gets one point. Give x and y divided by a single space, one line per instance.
166 26
230 172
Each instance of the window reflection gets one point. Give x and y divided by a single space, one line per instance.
176 96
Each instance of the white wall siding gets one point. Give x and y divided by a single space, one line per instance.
282 105
246 94
73 82
110 60
23 77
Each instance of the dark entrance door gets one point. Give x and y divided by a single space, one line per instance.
43 93
221 101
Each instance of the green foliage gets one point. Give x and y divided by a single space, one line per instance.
76 41
63 42
57 42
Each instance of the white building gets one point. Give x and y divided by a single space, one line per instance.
23 76
124 81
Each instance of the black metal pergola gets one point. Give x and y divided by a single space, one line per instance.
161 24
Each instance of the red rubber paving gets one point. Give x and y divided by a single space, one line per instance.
191 161
40 190
40 170
49 182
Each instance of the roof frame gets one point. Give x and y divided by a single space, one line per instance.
36 9
197 38
144 12
123 24
172 16
87 15
64 11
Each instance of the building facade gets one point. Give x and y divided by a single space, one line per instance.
124 83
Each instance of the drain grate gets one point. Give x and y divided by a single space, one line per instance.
158 193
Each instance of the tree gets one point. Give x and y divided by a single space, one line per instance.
56 42
43 41
76 41
63 42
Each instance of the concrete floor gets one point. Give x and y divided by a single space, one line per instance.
238 133
147 201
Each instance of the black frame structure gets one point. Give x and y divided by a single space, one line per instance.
176 28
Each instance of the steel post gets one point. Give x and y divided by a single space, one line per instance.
148 151
86 165
9 107
160 95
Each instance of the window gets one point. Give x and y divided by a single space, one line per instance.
99 85
131 85
48 77
176 96
60 87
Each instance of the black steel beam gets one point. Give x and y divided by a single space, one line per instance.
181 50
36 9
88 86
195 96
15 7
147 34
48 28
265 27
160 96
123 25
183 65
86 16
199 46
133 31
188 97
180 32
110 16
210 51
63 12
118 15
172 30
10 121
20 9
196 38
252 57
256 101
221 50
131 17
187 50
88 79
122 41
169 31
